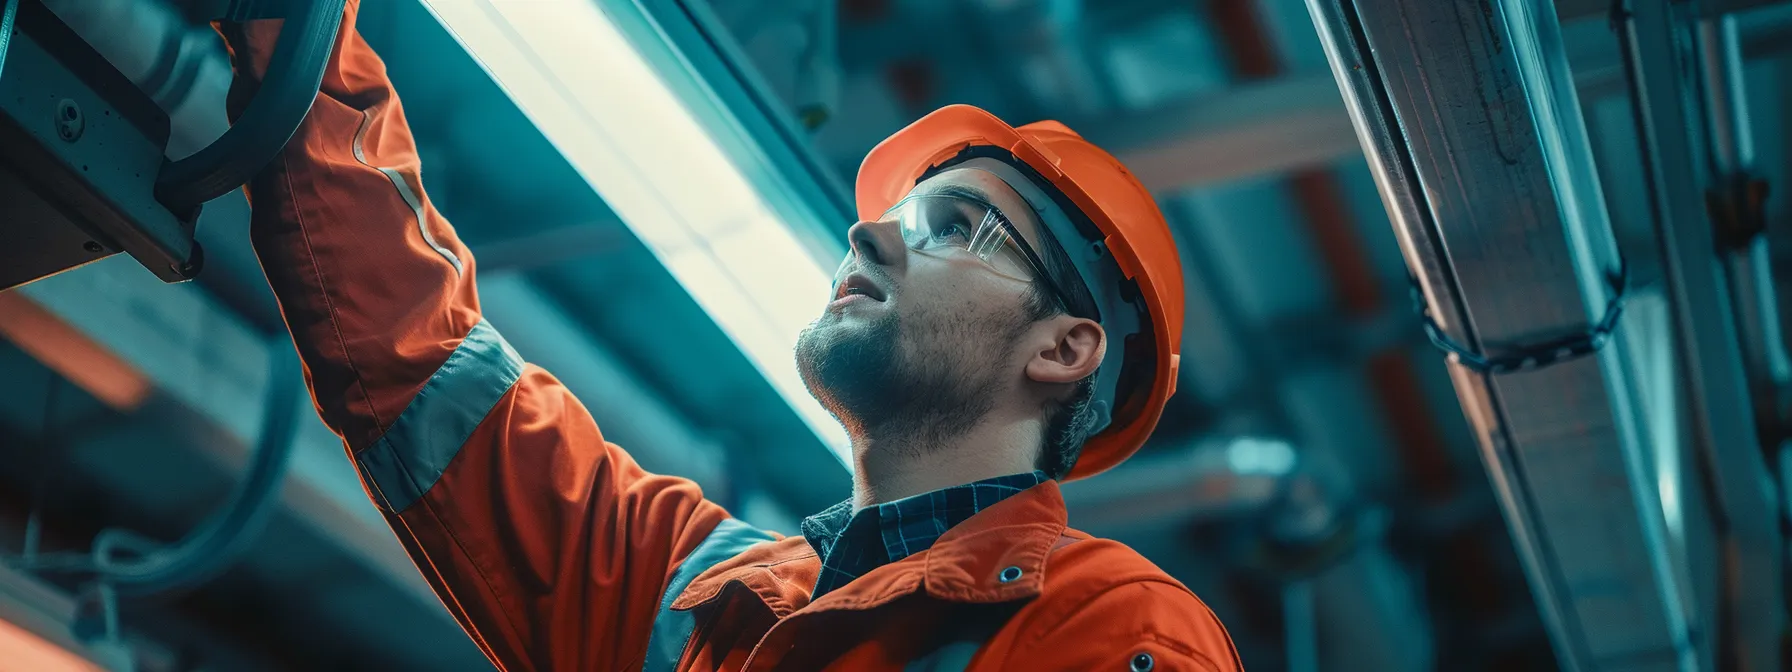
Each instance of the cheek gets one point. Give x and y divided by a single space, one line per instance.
953 296
950 288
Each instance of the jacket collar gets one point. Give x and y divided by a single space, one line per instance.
998 555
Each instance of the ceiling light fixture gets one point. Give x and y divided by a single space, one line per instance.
633 132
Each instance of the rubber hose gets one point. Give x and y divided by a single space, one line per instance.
295 72
216 543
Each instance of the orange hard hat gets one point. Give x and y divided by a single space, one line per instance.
1130 237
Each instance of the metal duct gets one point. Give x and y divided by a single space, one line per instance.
1480 152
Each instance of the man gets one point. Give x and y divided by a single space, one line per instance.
1008 316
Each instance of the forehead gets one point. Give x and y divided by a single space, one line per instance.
990 188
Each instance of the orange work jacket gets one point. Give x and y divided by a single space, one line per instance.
549 545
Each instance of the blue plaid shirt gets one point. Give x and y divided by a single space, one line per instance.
851 544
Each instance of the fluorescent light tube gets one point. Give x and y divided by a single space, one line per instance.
618 122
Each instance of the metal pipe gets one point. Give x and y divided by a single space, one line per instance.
181 66
1738 193
1734 192
1300 628
1725 95
1723 422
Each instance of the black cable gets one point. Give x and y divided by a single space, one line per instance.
40 481
134 565
295 71
213 545
1536 355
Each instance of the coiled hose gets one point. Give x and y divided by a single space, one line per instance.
145 569
130 564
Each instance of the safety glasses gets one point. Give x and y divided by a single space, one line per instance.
944 224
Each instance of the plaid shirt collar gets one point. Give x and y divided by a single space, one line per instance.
851 544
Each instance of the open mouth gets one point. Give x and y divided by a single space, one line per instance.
858 285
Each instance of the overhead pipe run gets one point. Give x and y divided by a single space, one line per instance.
1737 202
1737 199
1751 613
1480 152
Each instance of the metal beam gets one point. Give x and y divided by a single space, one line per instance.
1298 121
1473 129
570 242
1722 421
1570 10
1253 129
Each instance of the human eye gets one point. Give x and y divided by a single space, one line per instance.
952 229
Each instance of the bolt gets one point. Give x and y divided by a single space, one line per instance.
91 246
69 123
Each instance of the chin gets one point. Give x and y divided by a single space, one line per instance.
846 363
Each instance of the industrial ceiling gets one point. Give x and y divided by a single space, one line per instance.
1339 493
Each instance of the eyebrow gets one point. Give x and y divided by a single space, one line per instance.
970 192
974 193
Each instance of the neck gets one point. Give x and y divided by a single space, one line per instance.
892 466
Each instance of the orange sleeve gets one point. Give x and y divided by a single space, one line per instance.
1156 619
548 544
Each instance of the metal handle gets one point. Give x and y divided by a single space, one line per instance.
294 74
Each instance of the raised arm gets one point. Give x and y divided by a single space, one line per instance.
550 545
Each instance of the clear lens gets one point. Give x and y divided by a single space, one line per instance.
941 225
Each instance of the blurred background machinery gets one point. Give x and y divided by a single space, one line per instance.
1583 198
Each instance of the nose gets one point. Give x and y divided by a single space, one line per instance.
878 243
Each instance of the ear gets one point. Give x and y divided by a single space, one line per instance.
1075 350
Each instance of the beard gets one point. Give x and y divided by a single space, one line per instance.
906 382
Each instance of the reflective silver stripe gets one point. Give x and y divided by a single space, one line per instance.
404 191
415 450
672 630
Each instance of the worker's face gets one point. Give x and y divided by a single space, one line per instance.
922 342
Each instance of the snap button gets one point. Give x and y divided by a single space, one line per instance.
1142 662
1010 574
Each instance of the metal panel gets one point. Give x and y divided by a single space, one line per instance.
1469 116
82 149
